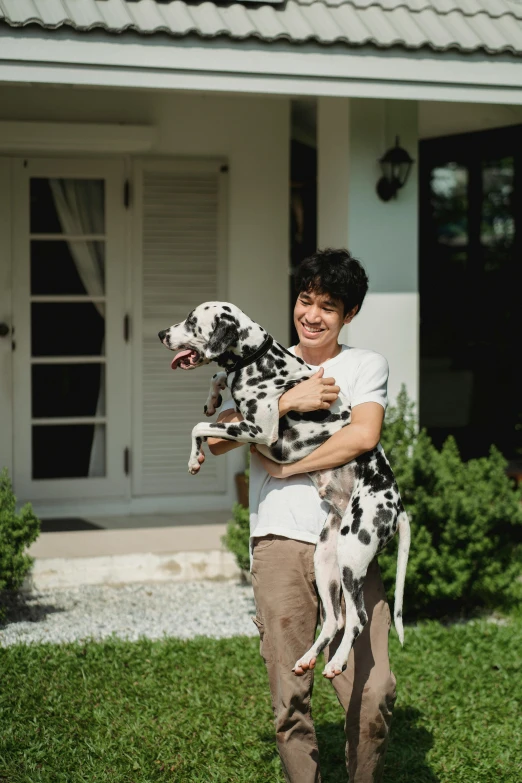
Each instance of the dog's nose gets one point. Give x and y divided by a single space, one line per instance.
162 335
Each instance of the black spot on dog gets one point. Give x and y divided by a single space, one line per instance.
354 587
357 512
364 537
345 415
335 597
388 495
324 533
205 408
227 308
316 440
261 395
345 530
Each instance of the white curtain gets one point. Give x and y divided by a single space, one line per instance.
80 208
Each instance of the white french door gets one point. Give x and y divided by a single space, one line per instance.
70 359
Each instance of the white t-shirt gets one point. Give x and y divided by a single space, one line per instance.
291 507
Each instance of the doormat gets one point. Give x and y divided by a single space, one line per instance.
66 525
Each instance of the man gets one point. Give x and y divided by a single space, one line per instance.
286 518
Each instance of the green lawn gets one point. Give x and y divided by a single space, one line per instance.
199 711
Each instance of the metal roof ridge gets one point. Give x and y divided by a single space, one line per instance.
428 6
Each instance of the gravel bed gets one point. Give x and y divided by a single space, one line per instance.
182 610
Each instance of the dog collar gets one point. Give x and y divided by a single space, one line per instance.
245 361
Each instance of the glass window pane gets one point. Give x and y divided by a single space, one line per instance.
69 451
67 329
67 268
67 206
497 228
68 390
449 199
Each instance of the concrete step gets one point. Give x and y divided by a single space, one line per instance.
143 554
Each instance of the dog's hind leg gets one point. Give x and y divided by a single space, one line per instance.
214 399
356 549
327 578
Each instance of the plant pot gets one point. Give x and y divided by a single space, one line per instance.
242 489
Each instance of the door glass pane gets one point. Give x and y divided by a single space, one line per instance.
449 200
497 229
67 206
68 390
61 268
69 451
67 329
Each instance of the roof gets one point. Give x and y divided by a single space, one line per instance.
493 26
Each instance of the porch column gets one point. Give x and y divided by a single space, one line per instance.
352 135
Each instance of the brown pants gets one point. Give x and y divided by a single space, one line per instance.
287 615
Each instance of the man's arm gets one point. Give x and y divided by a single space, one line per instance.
219 446
361 435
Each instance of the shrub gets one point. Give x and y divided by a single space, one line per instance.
466 522
17 531
237 537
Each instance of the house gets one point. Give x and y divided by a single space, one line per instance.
156 154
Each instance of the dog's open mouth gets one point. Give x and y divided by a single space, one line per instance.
186 359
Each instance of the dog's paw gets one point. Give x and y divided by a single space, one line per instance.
194 467
305 663
333 668
209 410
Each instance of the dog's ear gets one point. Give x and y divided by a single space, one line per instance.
225 336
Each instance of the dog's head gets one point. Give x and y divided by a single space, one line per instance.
209 331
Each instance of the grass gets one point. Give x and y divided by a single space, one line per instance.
199 711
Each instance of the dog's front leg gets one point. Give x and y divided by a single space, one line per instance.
214 399
328 580
242 432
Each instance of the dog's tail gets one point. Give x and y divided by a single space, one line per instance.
402 562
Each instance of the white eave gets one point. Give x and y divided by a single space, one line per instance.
160 63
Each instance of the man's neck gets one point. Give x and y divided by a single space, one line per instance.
317 356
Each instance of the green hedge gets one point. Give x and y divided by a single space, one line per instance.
466 520
17 531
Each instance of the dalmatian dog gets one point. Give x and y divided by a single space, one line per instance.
365 508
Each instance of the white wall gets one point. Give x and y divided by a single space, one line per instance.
352 136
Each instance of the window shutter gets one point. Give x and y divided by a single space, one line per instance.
181 239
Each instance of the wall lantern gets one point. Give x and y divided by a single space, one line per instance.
396 166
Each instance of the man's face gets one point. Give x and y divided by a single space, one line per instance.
318 319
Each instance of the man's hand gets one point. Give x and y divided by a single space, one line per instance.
314 394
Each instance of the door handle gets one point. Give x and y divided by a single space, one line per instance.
4 329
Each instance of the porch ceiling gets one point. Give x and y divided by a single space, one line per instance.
491 26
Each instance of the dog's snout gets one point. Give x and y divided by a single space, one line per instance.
162 335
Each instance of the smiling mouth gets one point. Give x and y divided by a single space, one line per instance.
186 359
312 329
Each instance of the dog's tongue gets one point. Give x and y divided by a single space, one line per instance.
178 357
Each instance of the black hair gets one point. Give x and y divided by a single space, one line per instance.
336 273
